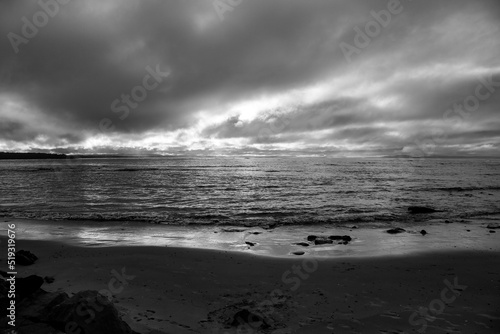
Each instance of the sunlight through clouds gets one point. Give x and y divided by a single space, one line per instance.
257 80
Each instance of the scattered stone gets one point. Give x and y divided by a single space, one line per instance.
421 209
25 258
396 230
49 279
251 244
493 226
311 238
354 226
468 230
233 230
423 232
447 222
322 241
305 244
256 233
491 231
298 253
344 238
246 317
270 226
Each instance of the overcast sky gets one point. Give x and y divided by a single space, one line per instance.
264 75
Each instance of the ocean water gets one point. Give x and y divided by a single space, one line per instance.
249 191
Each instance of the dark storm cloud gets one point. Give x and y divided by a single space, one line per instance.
92 52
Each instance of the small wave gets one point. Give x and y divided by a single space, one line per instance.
36 170
135 169
458 189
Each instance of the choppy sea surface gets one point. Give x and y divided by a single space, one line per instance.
249 191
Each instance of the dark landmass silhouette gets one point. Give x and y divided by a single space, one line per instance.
12 156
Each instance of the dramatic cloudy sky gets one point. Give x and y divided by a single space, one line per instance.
271 76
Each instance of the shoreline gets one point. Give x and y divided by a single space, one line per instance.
185 290
283 241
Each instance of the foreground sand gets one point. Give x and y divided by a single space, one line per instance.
182 290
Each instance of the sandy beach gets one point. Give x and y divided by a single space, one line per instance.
165 289
250 167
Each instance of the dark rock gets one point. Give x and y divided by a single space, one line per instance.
25 258
245 317
423 232
233 230
49 279
251 244
27 286
396 230
298 253
311 238
87 312
55 313
322 241
421 209
493 226
256 233
4 291
447 222
270 226
354 226
305 244
491 231
37 306
344 238
28 327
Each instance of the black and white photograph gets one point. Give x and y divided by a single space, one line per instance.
250 166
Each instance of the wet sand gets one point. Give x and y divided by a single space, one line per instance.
367 239
167 289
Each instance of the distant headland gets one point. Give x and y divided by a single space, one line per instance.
12 156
